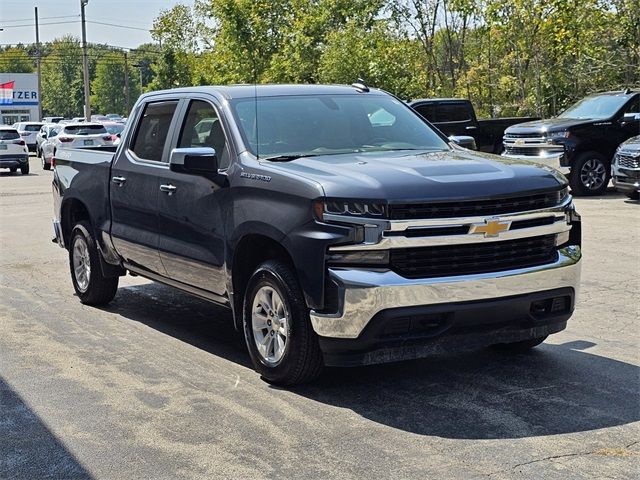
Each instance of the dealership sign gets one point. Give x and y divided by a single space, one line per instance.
11 96
6 93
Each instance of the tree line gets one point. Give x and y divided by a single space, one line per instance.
510 57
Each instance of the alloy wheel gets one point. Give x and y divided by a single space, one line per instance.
269 321
81 263
593 174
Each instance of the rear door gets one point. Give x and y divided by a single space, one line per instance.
138 170
191 213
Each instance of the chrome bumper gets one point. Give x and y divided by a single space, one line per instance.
364 293
57 233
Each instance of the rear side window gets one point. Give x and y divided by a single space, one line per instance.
85 130
153 128
9 135
453 112
427 111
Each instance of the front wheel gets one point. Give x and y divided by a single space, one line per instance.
634 195
590 174
91 286
282 345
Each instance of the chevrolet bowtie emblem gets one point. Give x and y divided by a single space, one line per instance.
492 227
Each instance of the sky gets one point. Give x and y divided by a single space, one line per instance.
17 20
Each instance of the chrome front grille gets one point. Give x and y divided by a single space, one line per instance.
627 161
522 135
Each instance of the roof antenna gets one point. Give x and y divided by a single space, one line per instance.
626 91
360 85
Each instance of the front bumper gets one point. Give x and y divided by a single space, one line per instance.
625 180
13 160
365 293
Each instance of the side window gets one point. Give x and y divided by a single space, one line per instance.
53 132
634 106
152 130
202 128
427 111
453 112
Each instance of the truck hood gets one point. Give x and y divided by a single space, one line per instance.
549 124
410 176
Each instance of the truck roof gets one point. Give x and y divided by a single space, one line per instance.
433 100
270 90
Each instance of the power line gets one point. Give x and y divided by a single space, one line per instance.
43 18
119 26
33 24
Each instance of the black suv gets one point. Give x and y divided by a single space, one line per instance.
582 140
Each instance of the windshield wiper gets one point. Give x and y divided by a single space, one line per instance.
287 158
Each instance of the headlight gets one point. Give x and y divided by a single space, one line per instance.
349 208
359 257
564 134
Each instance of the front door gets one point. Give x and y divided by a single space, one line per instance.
135 178
191 217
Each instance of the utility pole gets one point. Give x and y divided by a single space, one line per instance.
85 64
126 83
38 54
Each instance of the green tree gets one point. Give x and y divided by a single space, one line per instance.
62 84
108 87
16 60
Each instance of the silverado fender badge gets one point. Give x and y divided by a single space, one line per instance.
492 227
255 176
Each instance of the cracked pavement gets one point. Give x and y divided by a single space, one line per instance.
158 385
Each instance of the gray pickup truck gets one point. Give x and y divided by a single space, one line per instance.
338 226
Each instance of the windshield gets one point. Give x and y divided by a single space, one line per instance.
331 124
85 130
602 106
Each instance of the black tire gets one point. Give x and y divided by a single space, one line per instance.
580 180
302 360
520 347
38 152
634 195
100 290
24 169
45 165
13 169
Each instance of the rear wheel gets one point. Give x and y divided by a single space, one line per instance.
590 174
634 195
91 286
24 169
520 347
282 345
45 165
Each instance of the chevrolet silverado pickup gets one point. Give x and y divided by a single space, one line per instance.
457 117
581 141
338 226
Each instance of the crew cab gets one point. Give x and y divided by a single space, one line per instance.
338 226
457 117
581 141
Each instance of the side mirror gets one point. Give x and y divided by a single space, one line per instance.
119 135
630 117
195 161
464 141
43 135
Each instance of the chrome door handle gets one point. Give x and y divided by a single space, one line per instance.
118 180
470 127
169 189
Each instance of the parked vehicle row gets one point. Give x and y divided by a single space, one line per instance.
60 136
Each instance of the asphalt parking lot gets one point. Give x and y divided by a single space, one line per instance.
158 385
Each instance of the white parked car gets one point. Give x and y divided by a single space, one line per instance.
75 135
28 131
42 135
14 154
115 129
